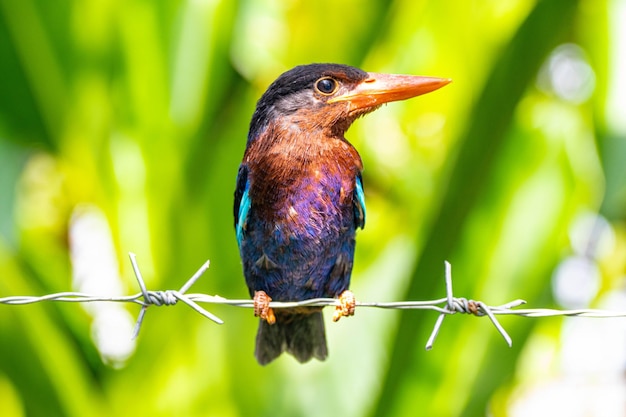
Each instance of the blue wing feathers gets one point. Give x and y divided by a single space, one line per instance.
242 202
244 206
359 206
359 203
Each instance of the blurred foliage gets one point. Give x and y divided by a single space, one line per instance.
139 110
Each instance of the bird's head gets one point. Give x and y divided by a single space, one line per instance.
332 96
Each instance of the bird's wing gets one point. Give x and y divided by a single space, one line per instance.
242 202
359 203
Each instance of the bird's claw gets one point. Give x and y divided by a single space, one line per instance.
346 307
262 307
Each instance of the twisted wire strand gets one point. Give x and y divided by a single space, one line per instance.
446 306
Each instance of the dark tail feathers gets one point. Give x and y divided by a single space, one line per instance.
301 335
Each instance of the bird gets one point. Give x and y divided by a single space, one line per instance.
299 198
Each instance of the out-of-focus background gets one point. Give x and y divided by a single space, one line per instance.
122 124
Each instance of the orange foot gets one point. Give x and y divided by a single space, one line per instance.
262 307
347 304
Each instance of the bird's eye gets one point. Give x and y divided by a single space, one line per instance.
326 86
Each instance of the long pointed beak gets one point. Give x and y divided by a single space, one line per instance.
379 88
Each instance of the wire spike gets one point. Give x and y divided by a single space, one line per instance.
496 323
195 277
142 284
139 322
435 332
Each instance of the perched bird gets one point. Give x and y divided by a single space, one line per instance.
299 197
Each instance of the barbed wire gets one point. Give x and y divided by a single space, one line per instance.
446 306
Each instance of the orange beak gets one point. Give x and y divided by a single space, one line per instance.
379 89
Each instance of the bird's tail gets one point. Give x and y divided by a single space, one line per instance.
301 335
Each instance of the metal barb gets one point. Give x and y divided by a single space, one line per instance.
146 297
448 277
449 309
462 305
485 308
435 332
139 322
142 285
169 297
199 309
195 277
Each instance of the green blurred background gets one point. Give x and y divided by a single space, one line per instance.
122 124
